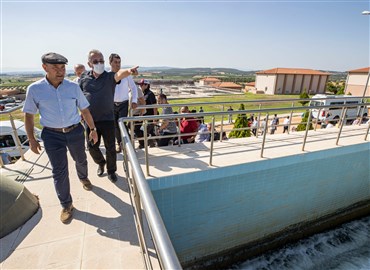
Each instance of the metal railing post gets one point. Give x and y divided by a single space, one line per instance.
290 118
307 129
341 124
179 135
264 134
317 119
258 121
367 131
212 139
17 141
222 123
146 146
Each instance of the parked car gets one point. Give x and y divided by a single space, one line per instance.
334 113
8 140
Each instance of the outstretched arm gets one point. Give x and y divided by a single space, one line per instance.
123 73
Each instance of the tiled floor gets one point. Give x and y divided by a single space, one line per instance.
102 234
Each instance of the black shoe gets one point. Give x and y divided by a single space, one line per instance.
100 170
112 177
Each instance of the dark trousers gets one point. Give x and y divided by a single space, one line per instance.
138 132
56 144
164 141
120 110
105 129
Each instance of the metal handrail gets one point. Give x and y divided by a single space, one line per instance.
166 253
177 117
195 104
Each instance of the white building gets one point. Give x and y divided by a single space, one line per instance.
291 81
356 81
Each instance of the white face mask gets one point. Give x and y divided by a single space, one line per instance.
98 68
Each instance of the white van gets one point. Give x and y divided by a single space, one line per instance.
335 113
8 141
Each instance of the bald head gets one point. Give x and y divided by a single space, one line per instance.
79 69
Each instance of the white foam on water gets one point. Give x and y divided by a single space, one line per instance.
344 248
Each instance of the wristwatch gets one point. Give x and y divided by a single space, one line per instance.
93 129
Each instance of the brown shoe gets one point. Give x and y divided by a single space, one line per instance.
66 214
86 184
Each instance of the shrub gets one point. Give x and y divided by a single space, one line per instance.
241 122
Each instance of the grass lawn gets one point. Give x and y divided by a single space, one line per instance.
247 96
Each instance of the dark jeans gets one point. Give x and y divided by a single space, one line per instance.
105 129
164 141
120 110
56 144
138 132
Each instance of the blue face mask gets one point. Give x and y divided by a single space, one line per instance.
98 68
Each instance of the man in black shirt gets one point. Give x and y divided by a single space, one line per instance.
98 86
149 100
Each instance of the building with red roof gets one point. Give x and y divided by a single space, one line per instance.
291 81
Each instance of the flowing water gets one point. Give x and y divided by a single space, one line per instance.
344 248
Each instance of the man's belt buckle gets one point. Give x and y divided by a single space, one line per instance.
65 130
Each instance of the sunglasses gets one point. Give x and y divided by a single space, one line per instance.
98 61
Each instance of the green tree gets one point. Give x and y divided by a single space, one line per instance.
331 87
303 124
241 122
304 95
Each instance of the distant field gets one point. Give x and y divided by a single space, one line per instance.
208 108
247 96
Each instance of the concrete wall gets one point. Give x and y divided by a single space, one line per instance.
298 83
266 83
289 83
215 210
356 84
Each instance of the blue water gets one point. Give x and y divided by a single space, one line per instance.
344 248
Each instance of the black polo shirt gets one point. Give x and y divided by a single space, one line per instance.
149 100
100 94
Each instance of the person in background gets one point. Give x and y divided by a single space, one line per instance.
254 126
230 115
58 101
149 100
139 112
168 127
286 124
121 97
187 125
79 69
203 134
263 126
274 124
99 86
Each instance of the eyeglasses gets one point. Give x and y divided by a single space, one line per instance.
98 61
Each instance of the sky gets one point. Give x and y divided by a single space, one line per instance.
247 35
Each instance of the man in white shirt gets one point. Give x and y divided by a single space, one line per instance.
121 96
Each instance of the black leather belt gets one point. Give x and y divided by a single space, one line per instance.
64 130
119 103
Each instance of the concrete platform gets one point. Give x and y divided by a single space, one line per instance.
102 234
